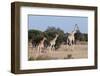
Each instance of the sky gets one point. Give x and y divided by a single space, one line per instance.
66 23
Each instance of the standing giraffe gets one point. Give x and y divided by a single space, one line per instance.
71 37
53 42
41 45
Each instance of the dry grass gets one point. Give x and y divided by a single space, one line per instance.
79 51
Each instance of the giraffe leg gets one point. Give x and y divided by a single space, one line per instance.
40 50
36 53
49 48
71 47
52 48
67 46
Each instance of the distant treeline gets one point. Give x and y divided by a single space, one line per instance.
36 35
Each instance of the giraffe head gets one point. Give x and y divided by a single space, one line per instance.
57 35
76 28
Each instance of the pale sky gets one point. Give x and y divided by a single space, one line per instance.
66 23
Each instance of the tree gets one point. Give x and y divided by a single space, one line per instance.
35 36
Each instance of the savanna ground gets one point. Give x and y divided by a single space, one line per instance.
80 50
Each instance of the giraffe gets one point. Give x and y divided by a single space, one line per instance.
41 45
53 42
71 37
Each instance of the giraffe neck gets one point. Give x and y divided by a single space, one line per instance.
73 32
55 38
75 29
42 41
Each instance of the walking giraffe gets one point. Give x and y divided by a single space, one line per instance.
41 45
53 42
71 37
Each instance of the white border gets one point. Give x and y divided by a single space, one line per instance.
25 64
